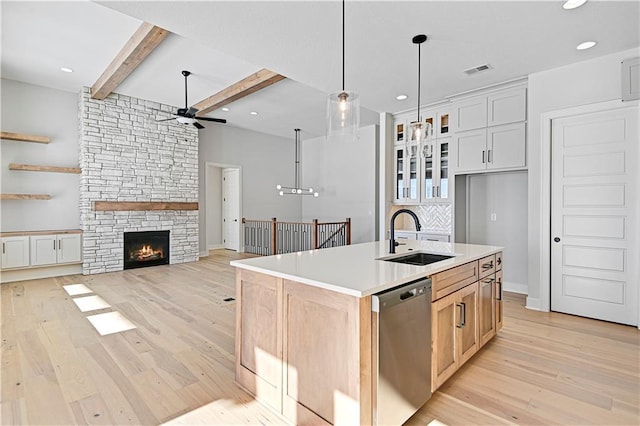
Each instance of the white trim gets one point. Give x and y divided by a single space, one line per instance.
515 287
544 302
203 254
533 304
215 246
12 275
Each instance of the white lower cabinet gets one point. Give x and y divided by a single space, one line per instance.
434 237
52 249
15 252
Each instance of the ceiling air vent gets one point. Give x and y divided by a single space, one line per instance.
479 68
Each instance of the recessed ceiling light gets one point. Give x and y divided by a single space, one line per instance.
225 109
573 4
401 97
253 113
586 45
65 69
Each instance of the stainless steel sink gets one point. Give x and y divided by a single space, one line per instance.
419 258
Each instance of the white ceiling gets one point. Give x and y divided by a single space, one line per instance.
223 42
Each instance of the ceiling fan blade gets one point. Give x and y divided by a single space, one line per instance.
191 112
217 120
198 125
166 119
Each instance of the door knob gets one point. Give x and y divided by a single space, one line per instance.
235 220
556 239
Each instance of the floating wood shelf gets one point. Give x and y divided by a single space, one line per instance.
25 197
27 233
34 168
142 205
21 137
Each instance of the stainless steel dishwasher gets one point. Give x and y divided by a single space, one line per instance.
404 351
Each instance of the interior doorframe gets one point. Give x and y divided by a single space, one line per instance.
208 166
545 199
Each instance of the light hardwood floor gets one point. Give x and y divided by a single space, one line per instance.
177 365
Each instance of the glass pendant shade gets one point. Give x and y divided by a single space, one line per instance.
343 114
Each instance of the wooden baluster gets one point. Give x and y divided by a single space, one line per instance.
348 231
273 236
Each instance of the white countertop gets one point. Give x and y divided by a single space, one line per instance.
356 270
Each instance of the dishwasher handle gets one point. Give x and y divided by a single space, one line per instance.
400 294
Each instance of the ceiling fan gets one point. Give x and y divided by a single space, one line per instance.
187 115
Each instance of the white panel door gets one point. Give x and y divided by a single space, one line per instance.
231 209
594 219
43 249
68 248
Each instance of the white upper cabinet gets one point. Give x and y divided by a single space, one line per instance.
470 114
508 106
505 146
471 151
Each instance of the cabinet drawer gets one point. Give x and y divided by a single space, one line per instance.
498 261
487 265
453 279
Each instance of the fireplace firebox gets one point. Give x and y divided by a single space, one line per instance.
148 248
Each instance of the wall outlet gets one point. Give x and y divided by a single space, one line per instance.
493 217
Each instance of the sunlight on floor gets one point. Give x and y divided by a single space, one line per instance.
109 323
91 303
76 289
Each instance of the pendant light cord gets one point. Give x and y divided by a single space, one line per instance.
418 82
343 45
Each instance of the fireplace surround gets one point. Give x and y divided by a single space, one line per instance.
147 248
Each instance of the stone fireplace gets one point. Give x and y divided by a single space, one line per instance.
127 157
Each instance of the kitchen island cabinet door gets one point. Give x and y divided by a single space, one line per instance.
443 339
258 336
454 331
499 301
487 308
321 356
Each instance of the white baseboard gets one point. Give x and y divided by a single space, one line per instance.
203 254
515 287
215 246
533 303
37 273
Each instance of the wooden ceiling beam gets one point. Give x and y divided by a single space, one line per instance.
146 38
246 86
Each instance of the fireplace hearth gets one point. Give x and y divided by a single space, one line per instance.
147 248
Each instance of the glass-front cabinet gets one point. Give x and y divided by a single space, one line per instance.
422 171
407 174
435 170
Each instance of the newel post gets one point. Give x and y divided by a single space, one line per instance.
315 234
348 231
274 249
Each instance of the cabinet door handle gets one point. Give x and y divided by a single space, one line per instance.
499 293
54 244
462 317
483 156
460 323
60 244
489 156
3 248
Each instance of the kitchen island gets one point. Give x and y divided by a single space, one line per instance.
307 337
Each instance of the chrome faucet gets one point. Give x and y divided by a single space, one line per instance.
392 241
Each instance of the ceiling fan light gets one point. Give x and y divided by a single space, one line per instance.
185 120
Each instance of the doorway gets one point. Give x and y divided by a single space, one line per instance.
223 198
594 214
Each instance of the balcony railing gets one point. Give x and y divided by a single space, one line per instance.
267 237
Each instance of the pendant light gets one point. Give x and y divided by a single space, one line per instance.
296 189
419 131
343 107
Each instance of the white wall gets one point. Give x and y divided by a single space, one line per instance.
265 161
581 83
505 195
40 111
344 172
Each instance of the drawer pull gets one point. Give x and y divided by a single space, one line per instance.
487 266
488 280
499 261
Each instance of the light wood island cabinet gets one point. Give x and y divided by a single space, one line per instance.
310 352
